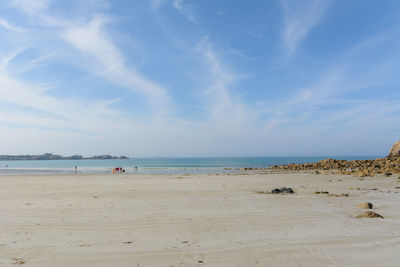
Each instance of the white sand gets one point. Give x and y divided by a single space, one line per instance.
202 220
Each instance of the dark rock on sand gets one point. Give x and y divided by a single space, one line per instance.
283 190
365 205
369 214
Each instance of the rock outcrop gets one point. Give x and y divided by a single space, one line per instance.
395 151
359 168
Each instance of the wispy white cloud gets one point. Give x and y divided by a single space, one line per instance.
31 6
335 101
185 9
223 106
37 10
91 39
10 26
180 5
40 12
89 124
299 19
66 112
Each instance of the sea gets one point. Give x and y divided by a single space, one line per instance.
156 165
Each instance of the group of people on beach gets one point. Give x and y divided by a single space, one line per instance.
118 169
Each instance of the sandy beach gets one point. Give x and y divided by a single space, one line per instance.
197 220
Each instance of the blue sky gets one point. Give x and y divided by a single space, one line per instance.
199 78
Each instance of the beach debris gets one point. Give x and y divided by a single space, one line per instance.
200 261
365 205
338 195
321 192
369 214
128 242
18 261
283 190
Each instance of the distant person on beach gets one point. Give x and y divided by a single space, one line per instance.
76 169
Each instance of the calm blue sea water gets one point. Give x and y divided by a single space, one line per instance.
154 165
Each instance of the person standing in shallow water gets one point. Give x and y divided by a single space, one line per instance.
76 169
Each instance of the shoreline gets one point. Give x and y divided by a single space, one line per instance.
128 171
154 166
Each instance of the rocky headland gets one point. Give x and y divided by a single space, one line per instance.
387 166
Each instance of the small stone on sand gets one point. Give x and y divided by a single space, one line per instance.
283 190
365 205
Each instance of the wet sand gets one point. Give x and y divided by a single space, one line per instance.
197 220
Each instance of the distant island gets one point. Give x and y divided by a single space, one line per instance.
49 156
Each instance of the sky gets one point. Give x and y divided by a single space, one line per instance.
177 78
